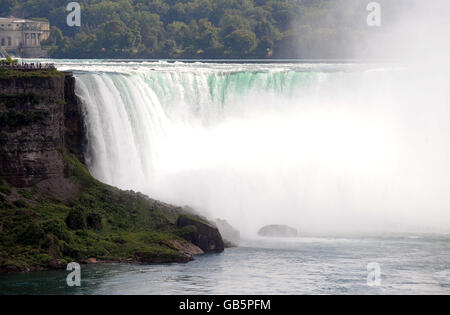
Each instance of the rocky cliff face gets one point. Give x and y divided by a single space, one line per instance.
202 233
32 128
52 211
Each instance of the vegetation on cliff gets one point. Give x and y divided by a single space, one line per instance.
9 61
38 231
49 222
6 73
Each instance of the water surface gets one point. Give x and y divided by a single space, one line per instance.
409 265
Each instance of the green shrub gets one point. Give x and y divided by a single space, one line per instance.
15 119
9 61
5 205
58 229
5 190
38 73
12 101
28 194
187 232
72 251
20 203
76 220
32 234
94 221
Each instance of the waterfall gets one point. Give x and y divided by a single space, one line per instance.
323 148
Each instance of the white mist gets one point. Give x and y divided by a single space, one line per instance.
363 149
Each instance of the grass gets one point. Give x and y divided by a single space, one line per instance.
13 119
27 193
12 101
40 73
37 229
111 225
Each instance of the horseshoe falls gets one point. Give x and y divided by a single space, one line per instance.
325 148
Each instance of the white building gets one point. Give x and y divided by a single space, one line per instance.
22 37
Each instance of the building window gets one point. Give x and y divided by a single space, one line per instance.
3 42
9 41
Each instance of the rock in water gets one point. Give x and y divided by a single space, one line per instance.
276 230
203 233
230 235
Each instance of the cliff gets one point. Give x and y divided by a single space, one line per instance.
32 129
52 211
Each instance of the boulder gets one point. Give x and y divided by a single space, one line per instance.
230 235
276 230
203 234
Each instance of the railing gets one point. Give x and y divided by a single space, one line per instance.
29 66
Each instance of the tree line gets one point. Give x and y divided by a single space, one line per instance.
201 28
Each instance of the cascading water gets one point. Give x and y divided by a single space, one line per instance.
324 148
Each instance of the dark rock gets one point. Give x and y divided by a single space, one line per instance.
10 269
230 235
275 230
205 235
75 133
30 150
41 148
56 264
152 258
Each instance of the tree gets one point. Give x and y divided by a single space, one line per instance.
202 28
9 61
56 37
6 6
241 42
117 36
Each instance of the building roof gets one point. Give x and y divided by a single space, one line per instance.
17 20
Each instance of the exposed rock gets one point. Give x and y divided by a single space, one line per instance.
11 269
230 235
205 234
30 155
186 247
41 160
57 264
33 131
152 258
74 137
275 230
91 260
